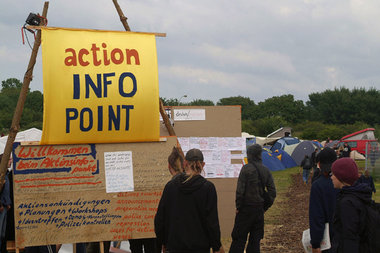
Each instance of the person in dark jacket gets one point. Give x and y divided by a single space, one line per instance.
322 200
306 165
346 150
350 207
367 179
250 202
187 215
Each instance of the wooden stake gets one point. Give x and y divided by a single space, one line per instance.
169 126
21 101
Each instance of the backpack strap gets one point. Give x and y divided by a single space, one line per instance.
260 177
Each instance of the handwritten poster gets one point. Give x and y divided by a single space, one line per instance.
119 171
221 154
82 193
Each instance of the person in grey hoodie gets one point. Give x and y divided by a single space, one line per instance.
253 178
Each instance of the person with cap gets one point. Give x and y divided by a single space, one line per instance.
253 178
350 207
187 215
322 200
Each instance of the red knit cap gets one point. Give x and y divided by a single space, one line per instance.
346 170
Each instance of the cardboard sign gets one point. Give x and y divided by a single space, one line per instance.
99 87
84 193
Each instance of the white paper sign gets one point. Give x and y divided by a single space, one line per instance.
184 142
325 243
189 114
119 171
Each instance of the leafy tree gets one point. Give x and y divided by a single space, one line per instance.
170 101
196 102
248 126
342 106
11 83
32 111
282 106
247 105
266 126
200 102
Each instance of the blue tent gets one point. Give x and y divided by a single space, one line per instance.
318 144
284 141
271 161
285 158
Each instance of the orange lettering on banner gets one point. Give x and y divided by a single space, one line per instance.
116 56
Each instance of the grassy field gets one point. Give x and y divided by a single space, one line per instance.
282 180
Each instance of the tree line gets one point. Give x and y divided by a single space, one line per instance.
328 114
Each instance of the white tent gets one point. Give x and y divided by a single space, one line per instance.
32 134
356 155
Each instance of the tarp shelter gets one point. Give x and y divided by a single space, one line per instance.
286 143
285 158
304 148
271 161
251 139
32 134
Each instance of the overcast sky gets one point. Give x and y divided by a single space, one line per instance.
216 49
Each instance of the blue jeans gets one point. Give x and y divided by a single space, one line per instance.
305 175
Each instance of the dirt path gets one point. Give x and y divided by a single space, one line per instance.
292 220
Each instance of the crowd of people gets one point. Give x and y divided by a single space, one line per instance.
187 214
338 197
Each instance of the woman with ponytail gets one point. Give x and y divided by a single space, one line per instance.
187 215
175 162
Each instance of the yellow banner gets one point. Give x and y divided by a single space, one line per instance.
99 87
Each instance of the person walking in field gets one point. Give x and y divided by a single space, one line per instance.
367 179
187 216
322 200
254 177
350 207
306 166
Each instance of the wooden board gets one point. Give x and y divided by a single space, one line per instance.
220 121
60 192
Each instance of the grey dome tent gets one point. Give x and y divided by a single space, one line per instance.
304 148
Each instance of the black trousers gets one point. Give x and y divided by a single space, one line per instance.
249 220
40 249
137 245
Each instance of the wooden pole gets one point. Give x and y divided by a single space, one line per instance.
123 18
21 101
169 126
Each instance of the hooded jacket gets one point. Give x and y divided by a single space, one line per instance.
249 190
321 209
348 218
187 216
